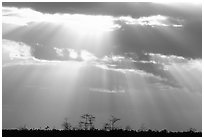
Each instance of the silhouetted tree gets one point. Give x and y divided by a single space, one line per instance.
111 124
47 127
87 122
113 120
106 126
66 125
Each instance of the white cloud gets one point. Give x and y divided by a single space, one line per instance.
19 53
169 61
166 59
87 23
59 51
16 50
172 60
87 56
84 55
23 16
155 20
128 20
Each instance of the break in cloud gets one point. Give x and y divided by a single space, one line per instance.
24 16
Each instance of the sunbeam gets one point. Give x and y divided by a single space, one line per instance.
138 62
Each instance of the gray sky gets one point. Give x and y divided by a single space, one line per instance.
141 62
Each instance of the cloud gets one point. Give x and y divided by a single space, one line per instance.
24 16
167 61
87 56
16 50
59 51
185 73
19 53
130 67
72 54
87 23
164 72
155 20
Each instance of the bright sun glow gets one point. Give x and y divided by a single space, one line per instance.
79 22
91 24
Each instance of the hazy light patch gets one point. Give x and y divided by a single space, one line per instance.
188 75
130 70
106 90
32 61
177 26
185 72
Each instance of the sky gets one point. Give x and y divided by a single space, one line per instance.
141 62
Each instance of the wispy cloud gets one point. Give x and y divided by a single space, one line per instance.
101 90
168 61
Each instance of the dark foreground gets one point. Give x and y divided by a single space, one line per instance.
96 133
